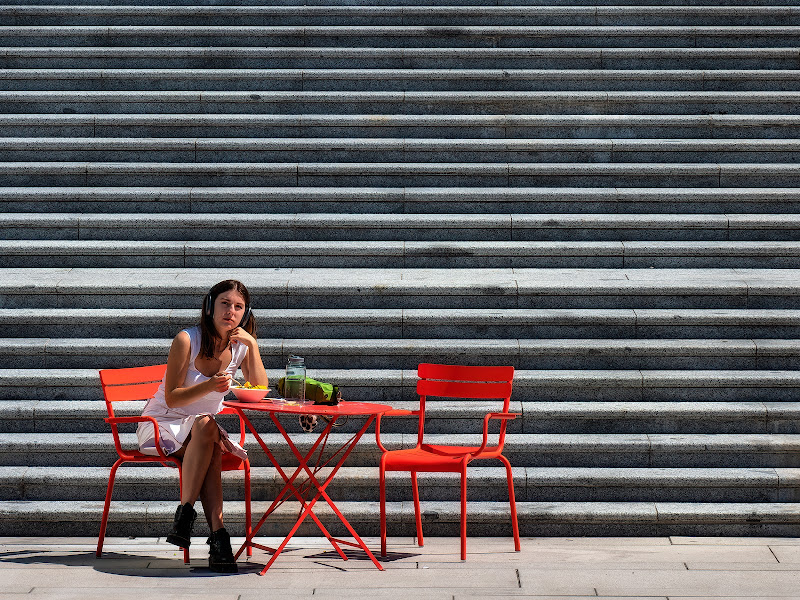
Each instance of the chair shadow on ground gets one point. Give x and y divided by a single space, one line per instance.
140 565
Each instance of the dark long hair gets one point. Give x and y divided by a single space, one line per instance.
208 333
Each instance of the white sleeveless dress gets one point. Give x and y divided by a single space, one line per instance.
175 424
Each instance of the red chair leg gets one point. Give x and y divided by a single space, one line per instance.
247 513
106 507
382 486
464 512
512 502
180 497
417 511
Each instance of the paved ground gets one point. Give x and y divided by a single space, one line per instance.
563 568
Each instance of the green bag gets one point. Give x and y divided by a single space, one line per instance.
318 391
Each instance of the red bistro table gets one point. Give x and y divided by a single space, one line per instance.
343 409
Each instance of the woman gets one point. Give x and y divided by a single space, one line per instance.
202 361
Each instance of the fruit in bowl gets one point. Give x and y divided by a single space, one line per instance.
249 393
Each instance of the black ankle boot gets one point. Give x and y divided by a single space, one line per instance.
181 534
220 555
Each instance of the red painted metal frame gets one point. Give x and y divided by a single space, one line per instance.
450 381
289 488
140 383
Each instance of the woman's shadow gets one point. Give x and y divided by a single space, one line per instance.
132 564
127 564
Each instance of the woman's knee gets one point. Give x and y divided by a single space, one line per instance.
206 429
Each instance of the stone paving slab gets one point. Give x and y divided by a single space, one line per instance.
734 541
573 568
787 554
715 566
708 583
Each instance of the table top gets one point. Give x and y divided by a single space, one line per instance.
344 408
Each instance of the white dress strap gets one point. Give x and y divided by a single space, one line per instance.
194 340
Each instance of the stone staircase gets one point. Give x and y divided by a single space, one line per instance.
605 195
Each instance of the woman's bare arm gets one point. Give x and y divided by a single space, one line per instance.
177 366
252 365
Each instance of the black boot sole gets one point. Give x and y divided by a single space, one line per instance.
179 541
223 567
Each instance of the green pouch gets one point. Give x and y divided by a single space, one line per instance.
318 391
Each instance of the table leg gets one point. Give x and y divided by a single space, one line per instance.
307 506
322 493
288 486
303 462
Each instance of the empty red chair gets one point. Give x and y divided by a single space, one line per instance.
451 381
140 383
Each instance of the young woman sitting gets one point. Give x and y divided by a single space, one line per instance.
202 361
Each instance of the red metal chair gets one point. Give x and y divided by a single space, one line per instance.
451 381
140 383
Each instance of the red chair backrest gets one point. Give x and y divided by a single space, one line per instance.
135 383
122 385
458 381
461 381
140 383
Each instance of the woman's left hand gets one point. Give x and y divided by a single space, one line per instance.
240 336
252 366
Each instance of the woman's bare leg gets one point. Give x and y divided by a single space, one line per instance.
211 491
196 457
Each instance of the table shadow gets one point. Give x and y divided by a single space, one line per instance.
355 554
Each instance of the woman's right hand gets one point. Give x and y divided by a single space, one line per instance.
220 382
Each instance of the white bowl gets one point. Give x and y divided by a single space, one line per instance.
248 395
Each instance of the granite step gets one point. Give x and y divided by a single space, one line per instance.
445 417
452 416
351 483
394 3
479 200
446 174
737 450
398 254
526 354
502 129
153 518
406 288
654 401
405 102
497 227
376 324
405 36
399 79
135 57
485 483
434 16
398 149
397 385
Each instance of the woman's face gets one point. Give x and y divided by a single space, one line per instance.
228 311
